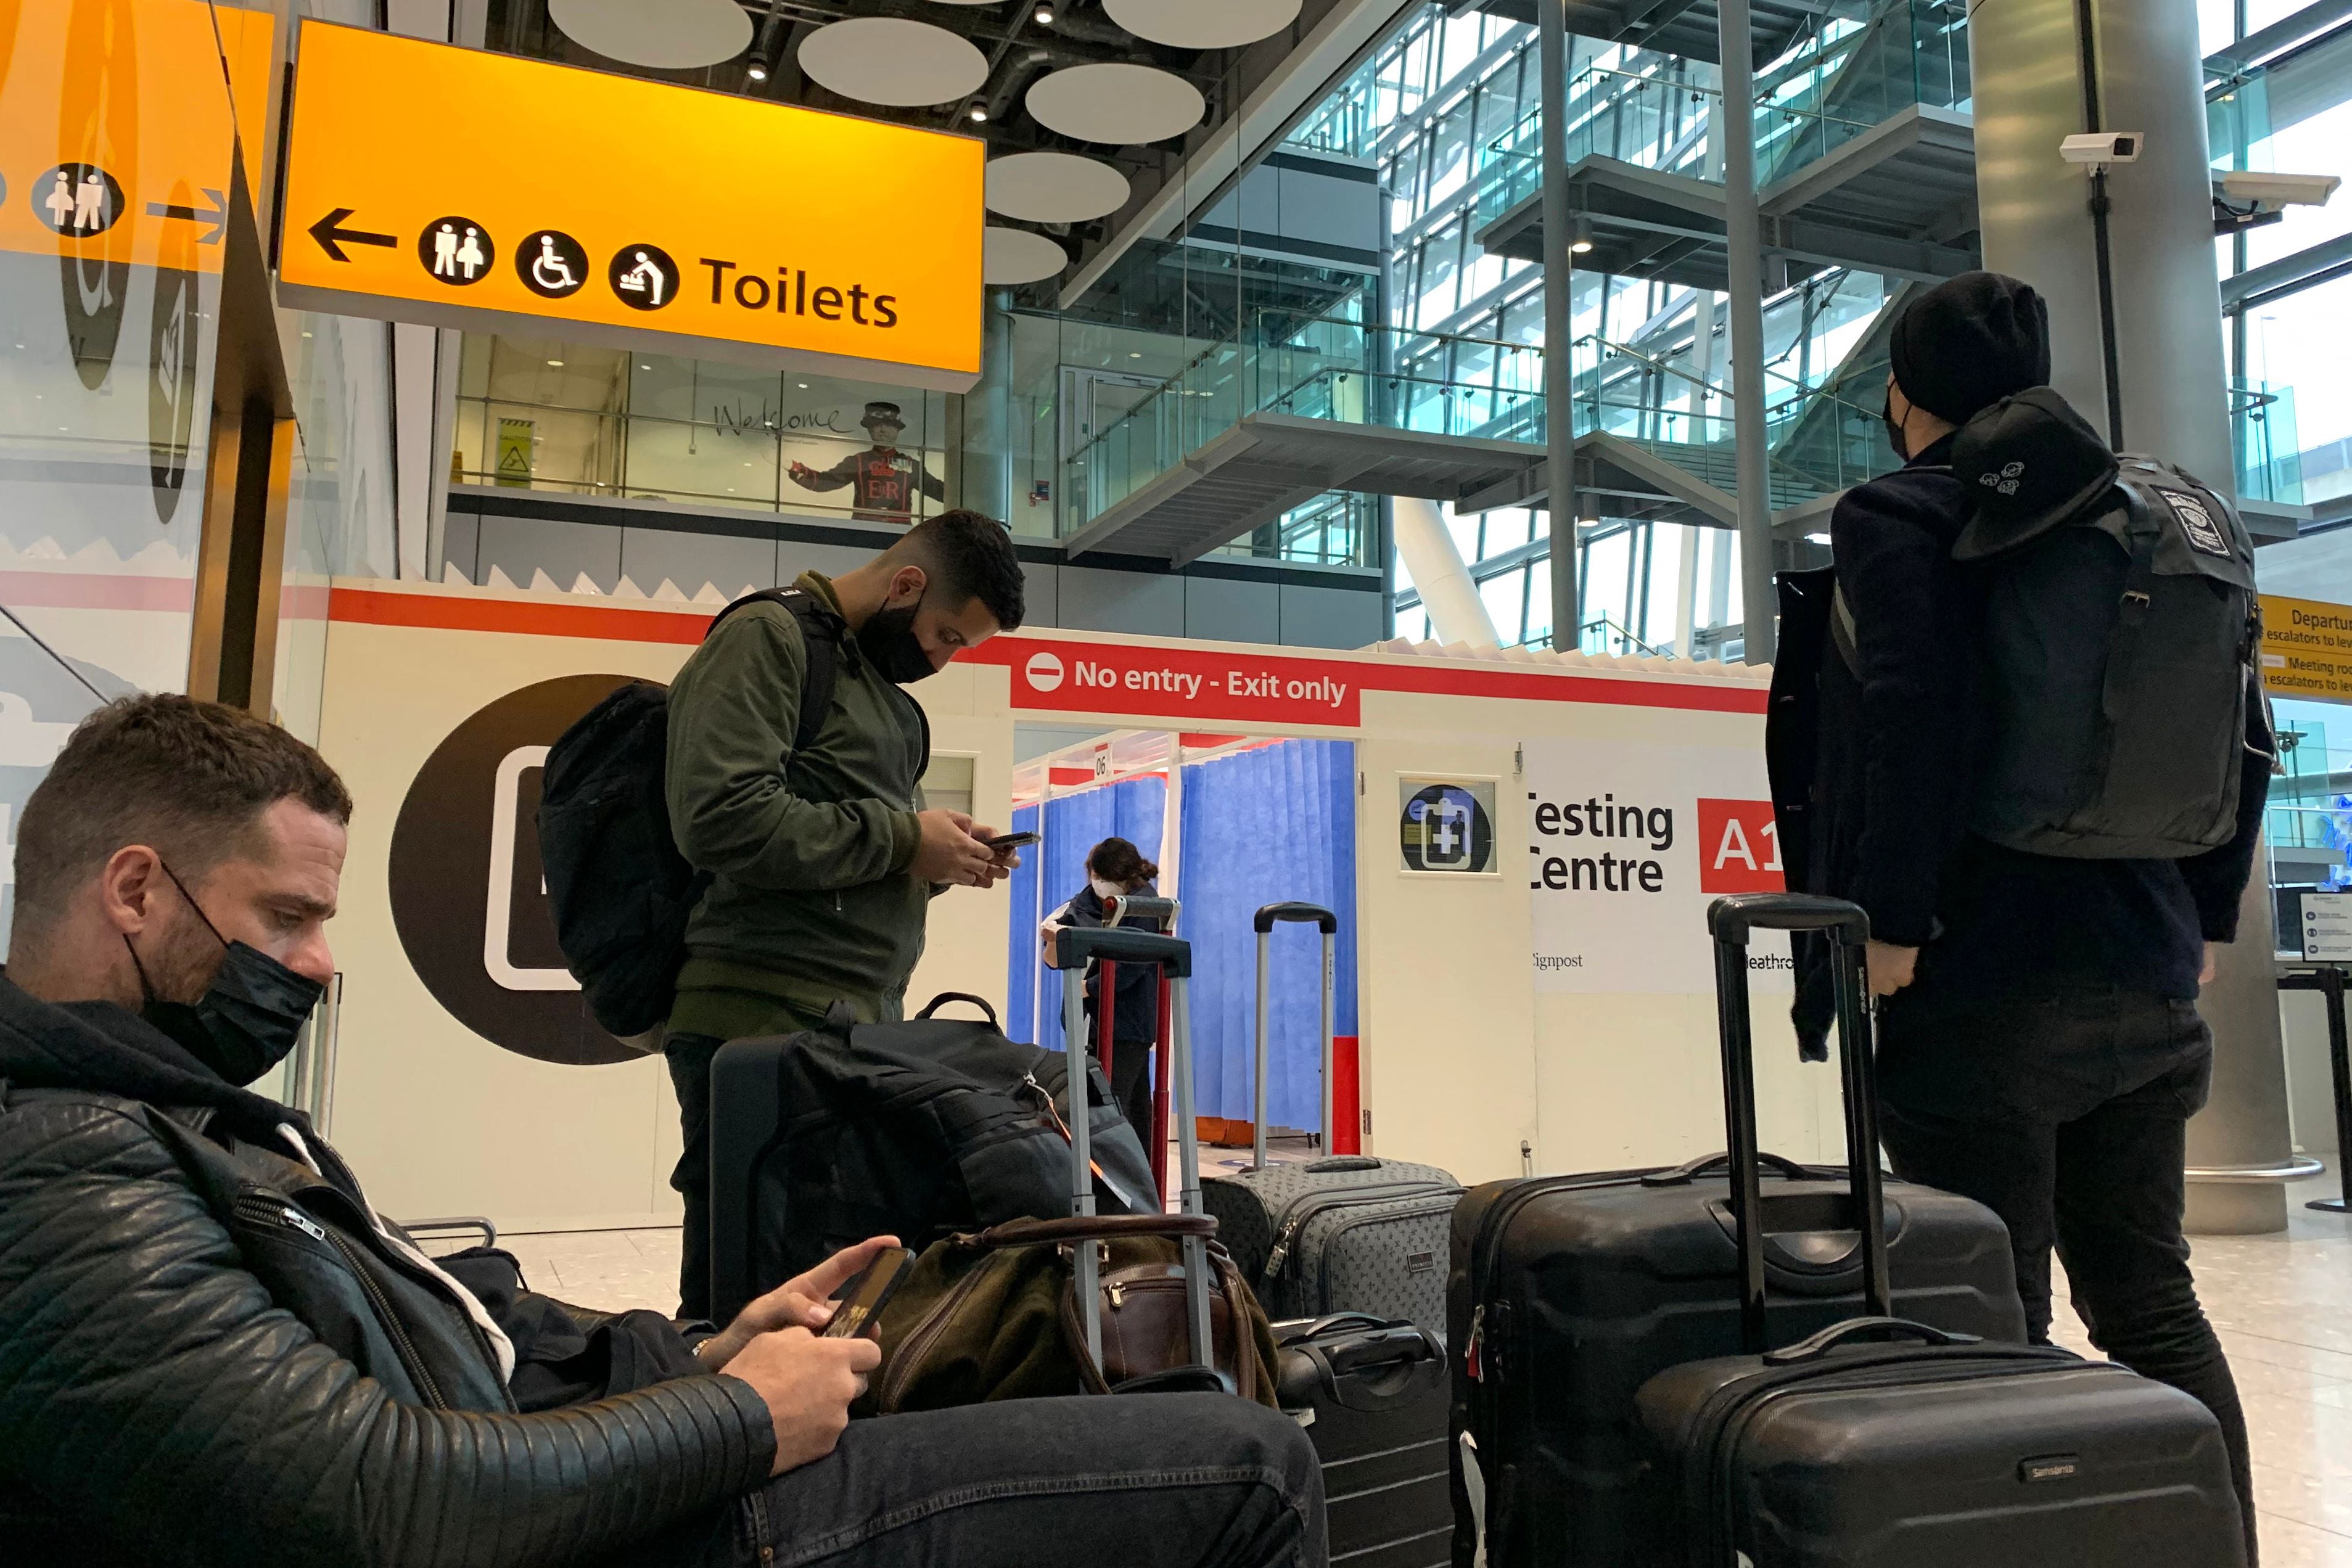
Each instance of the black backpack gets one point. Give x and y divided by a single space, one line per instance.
2120 641
620 892
918 1130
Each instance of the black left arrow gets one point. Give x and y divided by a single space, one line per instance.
217 217
331 236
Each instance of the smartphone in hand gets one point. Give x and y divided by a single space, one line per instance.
857 1305
1004 842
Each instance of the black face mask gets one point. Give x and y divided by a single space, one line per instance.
888 639
248 1018
1894 427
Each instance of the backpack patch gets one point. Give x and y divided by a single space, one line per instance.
2195 522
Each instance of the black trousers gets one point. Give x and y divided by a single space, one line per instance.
2066 1114
1130 1083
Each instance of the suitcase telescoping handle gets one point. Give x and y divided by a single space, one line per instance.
1074 945
1730 920
1328 924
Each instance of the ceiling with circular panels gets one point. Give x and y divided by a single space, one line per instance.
890 60
1117 104
1016 255
677 35
1053 187
1202 23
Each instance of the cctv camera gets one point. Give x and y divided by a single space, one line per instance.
2268 193
2097 150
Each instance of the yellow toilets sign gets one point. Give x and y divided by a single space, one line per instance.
462 188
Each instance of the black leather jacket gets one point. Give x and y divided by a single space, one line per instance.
210 1352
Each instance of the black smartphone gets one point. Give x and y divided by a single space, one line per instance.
857 1305
1009 840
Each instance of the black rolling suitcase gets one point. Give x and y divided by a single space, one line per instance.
1344 1234
1373 1396
1926 1452
1568 1293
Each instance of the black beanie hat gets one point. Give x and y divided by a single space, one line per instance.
1970 341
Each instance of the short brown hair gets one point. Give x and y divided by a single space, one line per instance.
189 778
1116 860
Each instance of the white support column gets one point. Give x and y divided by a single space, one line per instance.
1425 546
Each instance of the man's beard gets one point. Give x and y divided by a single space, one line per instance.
179 960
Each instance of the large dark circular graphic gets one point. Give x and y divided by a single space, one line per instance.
1445 828
466 895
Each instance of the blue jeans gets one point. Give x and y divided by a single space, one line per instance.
2066 1114
1153 1480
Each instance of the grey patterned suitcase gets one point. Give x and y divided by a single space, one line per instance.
1348 1234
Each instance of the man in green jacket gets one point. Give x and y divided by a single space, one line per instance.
822 860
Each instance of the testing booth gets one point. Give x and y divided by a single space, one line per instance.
1520 848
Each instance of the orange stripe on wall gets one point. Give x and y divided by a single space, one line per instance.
375 607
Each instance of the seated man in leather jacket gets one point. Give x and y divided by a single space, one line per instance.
214 1351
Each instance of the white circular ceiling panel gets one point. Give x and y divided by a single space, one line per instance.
1117 104
1016 256
1202 23
1053 187
888 60
677 35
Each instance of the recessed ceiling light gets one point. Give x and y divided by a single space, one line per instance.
555 364
1135 353
804 386
1043 16
306 334
645 367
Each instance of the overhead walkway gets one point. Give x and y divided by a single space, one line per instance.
1866 147
1242 436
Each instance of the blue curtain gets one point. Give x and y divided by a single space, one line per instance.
1266 825
1020 995
1134 810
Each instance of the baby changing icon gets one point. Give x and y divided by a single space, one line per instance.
457 250
643 276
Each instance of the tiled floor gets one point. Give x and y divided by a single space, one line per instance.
2283 1304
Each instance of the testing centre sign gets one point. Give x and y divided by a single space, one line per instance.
1627 845
463 188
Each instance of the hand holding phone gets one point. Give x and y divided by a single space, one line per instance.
857 1305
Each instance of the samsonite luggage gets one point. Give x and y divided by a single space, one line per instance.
1373 1396
1924 1452
1343 1234
916 1130
1842 1454
1568 1293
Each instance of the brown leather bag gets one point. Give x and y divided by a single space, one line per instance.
994 1315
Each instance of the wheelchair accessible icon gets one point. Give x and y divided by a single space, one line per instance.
552 264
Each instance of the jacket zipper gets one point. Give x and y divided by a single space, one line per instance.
1301 1209
912 1349
270 1211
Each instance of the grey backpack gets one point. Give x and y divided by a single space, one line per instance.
2120 641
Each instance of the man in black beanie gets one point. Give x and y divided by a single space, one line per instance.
2039 1045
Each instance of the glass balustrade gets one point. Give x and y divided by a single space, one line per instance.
2261 431
1846 79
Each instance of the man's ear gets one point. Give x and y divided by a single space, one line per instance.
907 585
129 888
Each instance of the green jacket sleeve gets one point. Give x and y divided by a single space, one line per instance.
732 713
